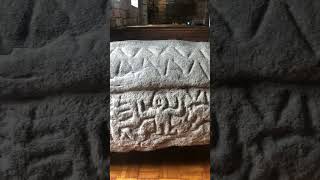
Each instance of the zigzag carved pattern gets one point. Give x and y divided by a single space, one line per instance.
164 60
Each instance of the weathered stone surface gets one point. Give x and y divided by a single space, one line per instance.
53 82
35 23
159 94
148 120
265 40
266 131
69 64
262 130
56 137
138 65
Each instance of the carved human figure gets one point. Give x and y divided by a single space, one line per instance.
162 113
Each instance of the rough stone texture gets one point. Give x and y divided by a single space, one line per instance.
159 94
53 83
150 120
275 40
139 65
46 139
266 131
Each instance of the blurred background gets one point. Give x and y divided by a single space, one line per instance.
159 19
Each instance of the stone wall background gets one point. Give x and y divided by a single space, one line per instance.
124 14
265 89
158 12
179 11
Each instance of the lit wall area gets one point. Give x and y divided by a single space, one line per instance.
128 13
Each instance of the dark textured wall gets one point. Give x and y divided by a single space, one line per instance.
53 88
178 11
265 74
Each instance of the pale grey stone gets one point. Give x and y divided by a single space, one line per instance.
158 64
159 94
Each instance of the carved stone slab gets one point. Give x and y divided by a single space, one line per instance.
138 65
159 94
